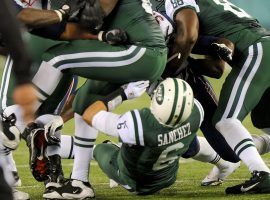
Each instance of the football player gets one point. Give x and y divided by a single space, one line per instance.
50 24
24 94
155 138
144 57
248 76
207 58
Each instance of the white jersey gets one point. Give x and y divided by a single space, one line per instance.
38 4
166 26
172 7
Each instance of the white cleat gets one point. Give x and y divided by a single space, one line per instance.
19 195
113 184
218 175
74 189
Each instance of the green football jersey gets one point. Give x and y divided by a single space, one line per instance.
222 19
135 17
151 151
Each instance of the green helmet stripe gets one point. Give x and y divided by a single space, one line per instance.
174 102
183 105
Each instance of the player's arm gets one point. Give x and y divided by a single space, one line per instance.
187 29
209 66
215 52
35 18
110 102
74 31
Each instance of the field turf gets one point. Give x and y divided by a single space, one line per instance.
187 185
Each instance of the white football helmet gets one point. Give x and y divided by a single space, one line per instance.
172 102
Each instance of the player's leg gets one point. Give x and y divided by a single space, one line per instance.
241 92
87 94
200 150
205 94
106 157
85 137
99 61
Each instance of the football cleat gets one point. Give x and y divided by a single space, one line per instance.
38 159
112 183
218 175
11 134
259 183
18 181
56 178
73 189
19 195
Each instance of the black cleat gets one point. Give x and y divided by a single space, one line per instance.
259 183
38 159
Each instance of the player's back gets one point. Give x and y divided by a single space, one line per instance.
152 164
223 19
135 17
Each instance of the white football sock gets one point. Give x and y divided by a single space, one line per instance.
206 153
54 149
85 137
241 142
11 162
67 144
262 143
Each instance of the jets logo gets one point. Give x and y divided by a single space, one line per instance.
160 94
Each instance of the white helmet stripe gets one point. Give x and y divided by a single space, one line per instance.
173 110
183 106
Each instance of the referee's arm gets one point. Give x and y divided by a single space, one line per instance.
10 31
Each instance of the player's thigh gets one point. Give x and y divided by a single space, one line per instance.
245 84
90 92
38 45
260 114
51 103
100 61
106 157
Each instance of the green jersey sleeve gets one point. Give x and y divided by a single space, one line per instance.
172 7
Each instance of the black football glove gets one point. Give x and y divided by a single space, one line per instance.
70 9
113 37
223 51
92 15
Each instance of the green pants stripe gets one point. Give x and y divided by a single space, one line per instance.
91 61
5 82
243 81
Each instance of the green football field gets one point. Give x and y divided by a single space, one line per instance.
187 185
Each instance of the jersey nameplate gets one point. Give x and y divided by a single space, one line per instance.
174 135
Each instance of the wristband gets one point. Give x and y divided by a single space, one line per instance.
114 99
59 14
100 35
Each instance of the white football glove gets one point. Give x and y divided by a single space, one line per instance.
54 125
135 89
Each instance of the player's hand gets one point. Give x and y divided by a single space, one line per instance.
51 128
224 52
25 96
113 37
92 15
71 8
135 89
